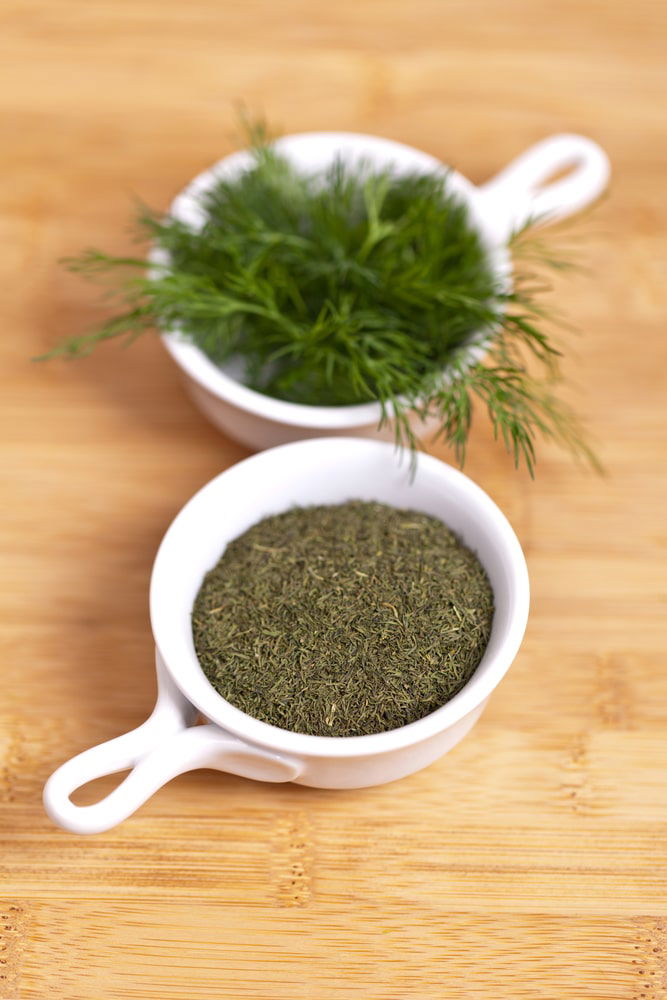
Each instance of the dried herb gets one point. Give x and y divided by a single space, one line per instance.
348 287
343 620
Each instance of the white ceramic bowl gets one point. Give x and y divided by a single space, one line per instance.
328 470
521 191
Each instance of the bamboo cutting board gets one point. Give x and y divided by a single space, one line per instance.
529 862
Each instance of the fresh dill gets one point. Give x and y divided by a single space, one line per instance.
348 287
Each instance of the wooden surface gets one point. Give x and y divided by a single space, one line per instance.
530 862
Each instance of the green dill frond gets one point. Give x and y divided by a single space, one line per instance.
347 287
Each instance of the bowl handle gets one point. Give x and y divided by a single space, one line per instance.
521 193
166 745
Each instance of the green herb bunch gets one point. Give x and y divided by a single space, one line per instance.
343 288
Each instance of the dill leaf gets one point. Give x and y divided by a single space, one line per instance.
348 287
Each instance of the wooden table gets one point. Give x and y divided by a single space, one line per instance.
530 862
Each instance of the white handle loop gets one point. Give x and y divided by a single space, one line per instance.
522 192
166 745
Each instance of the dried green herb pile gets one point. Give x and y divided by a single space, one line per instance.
343 620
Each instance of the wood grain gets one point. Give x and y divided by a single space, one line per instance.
530 862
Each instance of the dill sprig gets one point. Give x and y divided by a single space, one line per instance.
347 287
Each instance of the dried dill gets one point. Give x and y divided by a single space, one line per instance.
343 620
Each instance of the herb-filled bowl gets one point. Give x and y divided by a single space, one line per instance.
326 471
521 192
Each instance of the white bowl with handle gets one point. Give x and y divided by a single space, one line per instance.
520 192
322 471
